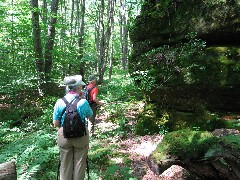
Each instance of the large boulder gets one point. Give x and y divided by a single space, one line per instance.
186 54
164 22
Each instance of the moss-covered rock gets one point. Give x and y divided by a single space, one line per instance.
168 22
152 120
156 120
185 145
186 54
199 152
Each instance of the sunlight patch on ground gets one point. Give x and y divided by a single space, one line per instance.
145 148
142 145
107 126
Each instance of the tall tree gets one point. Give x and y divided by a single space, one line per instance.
81 37
111 56
50 39
103 34
123 33
43 62
61 40
37 44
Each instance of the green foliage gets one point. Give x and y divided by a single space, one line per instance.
101 157
32 142
167 65
152 120
120 88
27 137
232 139
205 120
184 144
33 152
118 172
121 95
145 79
234 124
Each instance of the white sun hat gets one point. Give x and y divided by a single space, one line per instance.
73 80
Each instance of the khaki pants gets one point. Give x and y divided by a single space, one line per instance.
73 155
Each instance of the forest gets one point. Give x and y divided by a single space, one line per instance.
168 72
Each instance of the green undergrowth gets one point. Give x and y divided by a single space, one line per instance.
107 162
27 136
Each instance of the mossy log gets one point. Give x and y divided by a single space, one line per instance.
8 171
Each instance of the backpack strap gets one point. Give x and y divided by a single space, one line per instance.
75 106
65 101
75 102
91 88
67 104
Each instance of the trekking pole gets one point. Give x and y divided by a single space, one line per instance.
88 168
58 169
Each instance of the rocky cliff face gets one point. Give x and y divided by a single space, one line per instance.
186 54
168 22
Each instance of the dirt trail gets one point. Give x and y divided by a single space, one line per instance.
139 148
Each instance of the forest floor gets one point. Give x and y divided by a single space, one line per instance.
139 148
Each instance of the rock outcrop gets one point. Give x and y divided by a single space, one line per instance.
203 155
186 54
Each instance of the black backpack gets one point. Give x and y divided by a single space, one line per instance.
86 94
73 126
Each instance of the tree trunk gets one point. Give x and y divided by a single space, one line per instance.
101 43
43 63
50 39
36 37
81 39
125 46
8 171
111 61
111 54
37 44
105 38
12 37
44 12
123 34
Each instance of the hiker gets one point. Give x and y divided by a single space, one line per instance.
73 151
93 100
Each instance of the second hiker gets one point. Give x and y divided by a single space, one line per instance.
93 99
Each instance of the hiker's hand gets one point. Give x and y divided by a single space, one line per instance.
101 103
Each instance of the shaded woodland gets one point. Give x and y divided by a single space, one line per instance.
169 71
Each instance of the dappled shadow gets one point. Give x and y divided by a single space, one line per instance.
136 148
